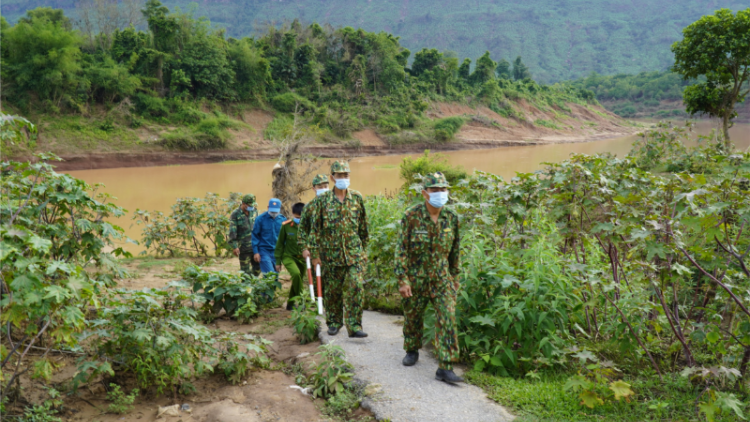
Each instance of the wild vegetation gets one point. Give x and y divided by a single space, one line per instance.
603 278
182 72
647 94
559 40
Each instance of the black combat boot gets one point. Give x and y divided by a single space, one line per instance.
411 358
358 334
448 376
332 331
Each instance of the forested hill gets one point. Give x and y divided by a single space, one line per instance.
558 39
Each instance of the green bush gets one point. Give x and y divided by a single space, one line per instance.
194 227
291 102
305 320
53 267
331 371
446 128
121 403
426 164
237 294
280 128
156 336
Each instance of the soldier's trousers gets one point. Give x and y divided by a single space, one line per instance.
247 263
296 268
343 296
446 337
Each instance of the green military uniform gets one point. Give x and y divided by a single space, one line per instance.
338 236
305 221
427 260
240 235
287 252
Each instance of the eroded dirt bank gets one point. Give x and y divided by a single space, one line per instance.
90 161
484 128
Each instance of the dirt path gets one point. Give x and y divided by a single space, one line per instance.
263 395
410 394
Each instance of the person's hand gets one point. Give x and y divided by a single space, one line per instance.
405 291
278 268
305 254
316 261
236 251
256 257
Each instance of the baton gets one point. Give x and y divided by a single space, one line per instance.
320 290
309 277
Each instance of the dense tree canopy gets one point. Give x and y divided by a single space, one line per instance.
178 67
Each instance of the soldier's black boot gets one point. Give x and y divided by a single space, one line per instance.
411 358
358 334
332 331
448 376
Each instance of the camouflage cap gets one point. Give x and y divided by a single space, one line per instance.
340 167
248 199
435 180
321 178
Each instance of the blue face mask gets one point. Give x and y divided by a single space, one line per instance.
296 220
438 199
321 191
342 184
249 209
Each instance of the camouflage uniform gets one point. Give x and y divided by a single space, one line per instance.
305 221
240 235
338 236
427 260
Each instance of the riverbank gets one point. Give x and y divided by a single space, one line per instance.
84 146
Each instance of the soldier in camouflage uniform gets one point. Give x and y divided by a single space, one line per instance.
427 270
240 234
320 186
338 239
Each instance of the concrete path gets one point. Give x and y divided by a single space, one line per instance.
409 394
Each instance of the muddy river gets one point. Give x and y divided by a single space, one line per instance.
156 188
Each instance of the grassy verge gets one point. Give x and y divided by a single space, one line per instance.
545 399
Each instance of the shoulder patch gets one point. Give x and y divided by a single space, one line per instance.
286 222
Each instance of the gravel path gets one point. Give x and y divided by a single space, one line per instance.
409 394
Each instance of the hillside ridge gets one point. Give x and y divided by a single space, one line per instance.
558 39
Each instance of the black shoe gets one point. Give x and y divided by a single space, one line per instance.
448 376
332 331
289 305
358 334
411 358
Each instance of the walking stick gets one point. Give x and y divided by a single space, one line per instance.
309 277
320 290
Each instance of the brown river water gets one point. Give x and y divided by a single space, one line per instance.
157 188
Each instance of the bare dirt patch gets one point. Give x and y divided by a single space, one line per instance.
369 138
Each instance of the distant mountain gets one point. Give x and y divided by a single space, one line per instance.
558 39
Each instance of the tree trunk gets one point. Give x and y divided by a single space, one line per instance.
725 127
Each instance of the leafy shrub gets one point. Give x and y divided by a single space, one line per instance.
291 102
150 106
121 403
331 373
448 127
238 294
281 127
155 335
426 164
383 219
305 320
195 226
54 229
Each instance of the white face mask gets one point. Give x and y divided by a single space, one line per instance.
319 192
273 214
342 184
